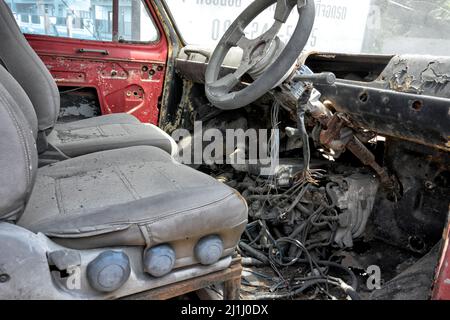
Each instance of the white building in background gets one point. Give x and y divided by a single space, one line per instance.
83 19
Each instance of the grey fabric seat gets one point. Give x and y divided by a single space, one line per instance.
119 197
137 196
81 137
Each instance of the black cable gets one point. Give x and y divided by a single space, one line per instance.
252 262
254 252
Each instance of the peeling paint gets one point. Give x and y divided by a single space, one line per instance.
419 76
435 74
402 81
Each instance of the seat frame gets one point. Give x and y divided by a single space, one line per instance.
32 251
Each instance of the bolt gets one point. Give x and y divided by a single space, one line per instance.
160 68
4 278
151 72
429 185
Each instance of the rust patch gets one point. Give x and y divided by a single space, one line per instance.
435 74
406 77
402 81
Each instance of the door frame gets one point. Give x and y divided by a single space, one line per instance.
127 76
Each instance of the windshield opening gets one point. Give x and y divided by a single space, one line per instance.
341 26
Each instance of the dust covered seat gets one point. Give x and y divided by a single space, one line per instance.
135 196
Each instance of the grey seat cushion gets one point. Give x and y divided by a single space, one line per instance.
106 133
114 118
132 196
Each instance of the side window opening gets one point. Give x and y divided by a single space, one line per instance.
99 20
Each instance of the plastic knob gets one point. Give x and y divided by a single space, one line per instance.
159 260
209 250
109 271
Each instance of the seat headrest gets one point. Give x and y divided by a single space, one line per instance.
28 69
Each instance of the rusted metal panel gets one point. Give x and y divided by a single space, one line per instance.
122 86
405 96
418 75
393 114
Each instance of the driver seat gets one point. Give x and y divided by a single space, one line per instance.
76 138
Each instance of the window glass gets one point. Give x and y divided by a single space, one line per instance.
346 26
135 23
85 19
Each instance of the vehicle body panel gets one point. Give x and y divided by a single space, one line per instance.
128 77
133 78
442 282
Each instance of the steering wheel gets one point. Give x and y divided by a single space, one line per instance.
265 58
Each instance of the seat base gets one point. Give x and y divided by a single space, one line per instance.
33 279
230 277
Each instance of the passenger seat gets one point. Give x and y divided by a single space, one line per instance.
74 139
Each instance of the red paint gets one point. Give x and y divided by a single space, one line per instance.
123 78
441 289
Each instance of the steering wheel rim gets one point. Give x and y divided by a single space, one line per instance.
218 90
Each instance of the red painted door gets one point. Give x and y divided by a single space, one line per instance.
441 289
117 47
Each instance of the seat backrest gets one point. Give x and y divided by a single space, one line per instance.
28 69
18 154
